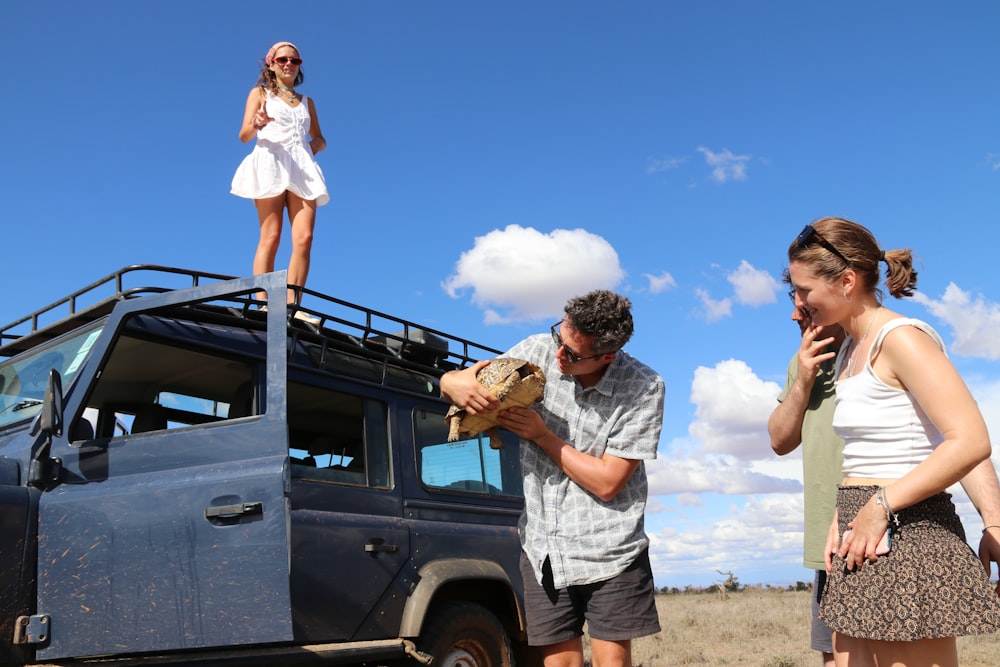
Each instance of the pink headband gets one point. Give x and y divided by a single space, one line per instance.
273 49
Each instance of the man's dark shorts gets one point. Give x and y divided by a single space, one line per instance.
821 638
618 609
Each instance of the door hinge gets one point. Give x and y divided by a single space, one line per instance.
32 629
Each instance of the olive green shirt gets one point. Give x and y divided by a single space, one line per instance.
822 462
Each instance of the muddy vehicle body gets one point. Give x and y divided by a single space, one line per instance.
187 478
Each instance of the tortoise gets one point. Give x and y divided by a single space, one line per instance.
516 382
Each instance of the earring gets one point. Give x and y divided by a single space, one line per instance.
846 298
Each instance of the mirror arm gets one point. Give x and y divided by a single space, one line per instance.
46 470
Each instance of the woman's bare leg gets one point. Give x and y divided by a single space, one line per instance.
302 214
941 652
270 213
854 652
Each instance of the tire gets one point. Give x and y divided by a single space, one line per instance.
464 634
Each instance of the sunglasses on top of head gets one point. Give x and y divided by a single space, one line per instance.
809 234
284 60
570 354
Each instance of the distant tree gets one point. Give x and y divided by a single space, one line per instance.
730 584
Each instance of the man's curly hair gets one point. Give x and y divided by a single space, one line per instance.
604 315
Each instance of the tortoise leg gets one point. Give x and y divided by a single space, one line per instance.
456 424
495 441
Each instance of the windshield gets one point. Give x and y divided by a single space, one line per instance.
23 378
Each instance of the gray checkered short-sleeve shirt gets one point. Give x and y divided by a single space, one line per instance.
586 539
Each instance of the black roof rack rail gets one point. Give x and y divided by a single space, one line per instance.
91 303
345 324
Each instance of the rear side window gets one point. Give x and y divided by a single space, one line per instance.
337 437
469 465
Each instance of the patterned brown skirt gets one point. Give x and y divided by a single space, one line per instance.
930 585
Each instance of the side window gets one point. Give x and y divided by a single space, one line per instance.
150 386
337 437
468 465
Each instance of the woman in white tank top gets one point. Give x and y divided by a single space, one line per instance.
903 582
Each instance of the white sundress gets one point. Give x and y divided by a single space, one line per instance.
282 159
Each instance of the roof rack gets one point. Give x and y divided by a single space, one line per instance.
343 323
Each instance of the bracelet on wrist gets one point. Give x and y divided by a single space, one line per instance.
988 527
883 502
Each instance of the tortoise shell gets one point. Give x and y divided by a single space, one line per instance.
516 382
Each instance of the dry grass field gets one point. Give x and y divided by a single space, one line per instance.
759 628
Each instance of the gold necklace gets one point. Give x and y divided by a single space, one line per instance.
855 348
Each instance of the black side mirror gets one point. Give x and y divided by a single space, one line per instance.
45 470
50 420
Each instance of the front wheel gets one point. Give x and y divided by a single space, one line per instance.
464 634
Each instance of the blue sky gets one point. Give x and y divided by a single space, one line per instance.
487 160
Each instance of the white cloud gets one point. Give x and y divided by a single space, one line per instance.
713 310
664 164
784 511
732 407
763 529
753 287
520 274
671 475
987 395
784 467
690 500
660 283
655 506
726 165
728 451
974 321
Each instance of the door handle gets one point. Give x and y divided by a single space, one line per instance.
377 546
231 511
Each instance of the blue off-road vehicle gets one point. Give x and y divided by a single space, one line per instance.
188 478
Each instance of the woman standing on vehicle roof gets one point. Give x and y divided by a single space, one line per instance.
281 171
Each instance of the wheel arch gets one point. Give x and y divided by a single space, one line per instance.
475 580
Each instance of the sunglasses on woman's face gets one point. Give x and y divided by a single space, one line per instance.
284 60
